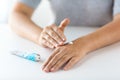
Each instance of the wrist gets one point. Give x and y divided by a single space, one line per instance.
38 37
83 44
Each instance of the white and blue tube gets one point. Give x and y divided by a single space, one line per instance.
29 56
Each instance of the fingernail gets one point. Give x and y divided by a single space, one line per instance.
63 39
61 43
46 70
65 69
52 69
43 67
56 45
52 46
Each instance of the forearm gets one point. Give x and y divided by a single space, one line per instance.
23 26
104 36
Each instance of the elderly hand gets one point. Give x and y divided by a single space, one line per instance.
53 36
67 55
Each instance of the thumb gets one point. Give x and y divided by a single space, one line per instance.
64 24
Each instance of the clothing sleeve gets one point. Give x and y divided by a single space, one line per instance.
116 8
31 3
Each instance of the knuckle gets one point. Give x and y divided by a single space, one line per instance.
52 41
61 35
51 46
59 31
48 43
56 57
51 33
48 37
57 37
43 34
43 41
50 64
57 65
64 59
52 26
43 30
56 29
47 28
44 45
74 60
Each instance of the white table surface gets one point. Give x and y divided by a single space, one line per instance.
102 64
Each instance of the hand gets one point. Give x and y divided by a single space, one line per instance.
67 55
53 36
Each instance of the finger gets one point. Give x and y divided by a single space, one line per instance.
64 23
59 32
46 43
55 36
48 60
50 40
54 59
71 63
60 63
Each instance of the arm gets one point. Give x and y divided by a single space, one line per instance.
106 35
21 23
68 55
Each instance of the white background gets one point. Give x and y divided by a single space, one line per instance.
42 16
5 6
